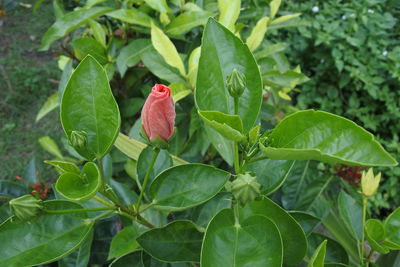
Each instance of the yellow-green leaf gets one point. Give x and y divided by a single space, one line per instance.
50 104
229 11
274 6
285 18
257 34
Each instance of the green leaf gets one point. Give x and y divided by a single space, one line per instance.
88 105
44 239
163 162
131 16
80 256
285 18
274 6
63 166
254 241
221 52
70 22
270 173
288 79
132 148
167 49
179 91
335 253
187 21
186 186
326 137
229 126
178 241
130 54
269 50
351 212
157 65
318 258
229 11
293 238
88 46
133 260
375 233
125 241
193 65
10 189
50 105
80 187
307 221
66 74
392 229
158 5
98 32
257 34
50 146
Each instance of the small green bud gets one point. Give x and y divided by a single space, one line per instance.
245 188
254 134
370 182
78 139
26 207
236 82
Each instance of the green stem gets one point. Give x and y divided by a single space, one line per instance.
104 214
257 159
364 215
76 210
236 102
102 201
235 144
146 178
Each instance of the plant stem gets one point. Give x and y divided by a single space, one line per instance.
235 144
102 215
76 210
257 159
364 215
146 178
102 201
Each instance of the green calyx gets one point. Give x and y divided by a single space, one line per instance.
26 207
245 188
236 83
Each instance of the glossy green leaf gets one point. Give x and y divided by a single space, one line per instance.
70 22
318 258
271 173
50 146
63 166
254 241
178 241
163 162
87 46
125 241
326 137
44 239
157 65
186 186
88 105
187 21
133 260
80 256
257 34
131 16
229 126
50 105
221 52
98 32
392 229
229 11
335 253
293 238
307 221
132 148
351 212
80 187
167 49
159 5
130 54
375 234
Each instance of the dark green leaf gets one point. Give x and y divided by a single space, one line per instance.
392 229
293 238
88 46
178 241
133 260
322 136
130 54
125 241
89 106
70 22
44 239
186 21
253 241
307 221
186 186
80 256
318 258
335 253
351 212
375 234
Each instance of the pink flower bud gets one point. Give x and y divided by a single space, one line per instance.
158 113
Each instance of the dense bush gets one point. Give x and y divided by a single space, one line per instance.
351 52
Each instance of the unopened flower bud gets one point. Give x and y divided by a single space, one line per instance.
245 188
78 139
370 183
26 207
236 83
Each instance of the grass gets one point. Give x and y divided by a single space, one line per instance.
27 78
